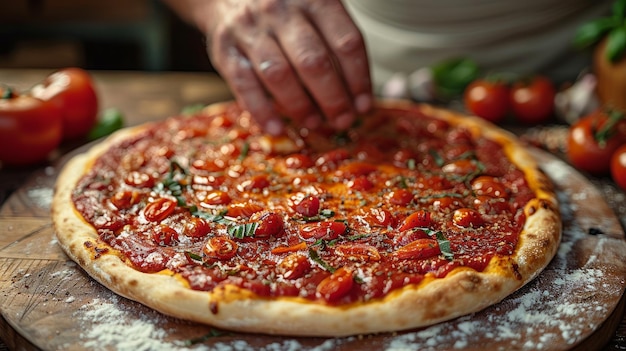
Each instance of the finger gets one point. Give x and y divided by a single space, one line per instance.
312 61
280 79
346 43
238 72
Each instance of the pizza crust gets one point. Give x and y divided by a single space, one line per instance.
461 292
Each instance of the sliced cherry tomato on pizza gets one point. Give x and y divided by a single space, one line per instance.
323 230
335 286
618 166
418 249
416 219
294 266
30 128
123 200
220 248
254 184
73 90
487 98
269 224
243 210
380 217
308 206
197 227
139 179
592 140
489 186
467 218
164 235
360 184
358 252
401 197
159 209
532 99
298 161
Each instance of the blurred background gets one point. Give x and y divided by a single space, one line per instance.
98 35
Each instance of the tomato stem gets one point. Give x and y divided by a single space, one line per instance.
604 133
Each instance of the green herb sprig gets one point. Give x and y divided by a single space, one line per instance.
444 243
612 27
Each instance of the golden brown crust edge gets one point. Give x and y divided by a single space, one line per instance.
463 291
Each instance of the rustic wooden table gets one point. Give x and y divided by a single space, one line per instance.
146 97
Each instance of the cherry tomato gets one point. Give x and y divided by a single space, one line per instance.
308 207
220 248
165 235
618 166
532 100
323 230
73 90
488 99
269 224
29 128
418 249
358 252
159 209
294 266
592 140
335 286
416 219
380 217
467 218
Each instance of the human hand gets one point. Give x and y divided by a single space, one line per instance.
305 59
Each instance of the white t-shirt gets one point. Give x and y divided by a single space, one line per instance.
502 35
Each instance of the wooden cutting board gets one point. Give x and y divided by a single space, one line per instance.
48 302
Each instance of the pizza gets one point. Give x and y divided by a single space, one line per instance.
414 216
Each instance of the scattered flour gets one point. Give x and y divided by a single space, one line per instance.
113 329
42 197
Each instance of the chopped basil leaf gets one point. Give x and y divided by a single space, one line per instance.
410 164
357 237
402 182
216 218
439 161
323 243
316 258
444 243
244 151
468 155
323 214
241 231
194 256
444 246
327 213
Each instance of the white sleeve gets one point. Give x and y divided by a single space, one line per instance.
503 35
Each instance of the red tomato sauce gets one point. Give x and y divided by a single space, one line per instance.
349 218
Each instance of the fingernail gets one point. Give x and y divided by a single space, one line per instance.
362 103
313 121
274 127
344 121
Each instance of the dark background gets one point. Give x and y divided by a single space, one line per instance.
98 35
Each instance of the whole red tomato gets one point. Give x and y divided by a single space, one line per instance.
30 128
618 166
73 90
592 140
488 99
532 100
